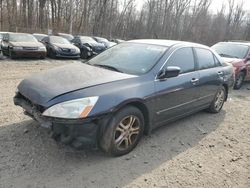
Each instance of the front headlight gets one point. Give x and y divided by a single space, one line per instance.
17 48
74 109
42 48
77 50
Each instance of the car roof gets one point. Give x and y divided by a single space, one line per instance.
40 34
238 42
19 33
167 43
65 34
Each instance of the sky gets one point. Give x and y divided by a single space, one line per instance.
215 6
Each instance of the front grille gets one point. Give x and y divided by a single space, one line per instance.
30 48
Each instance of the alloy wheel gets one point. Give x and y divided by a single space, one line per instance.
220 99
239 80
127 132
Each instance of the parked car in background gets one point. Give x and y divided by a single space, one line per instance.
60 47
39 36
126 91
69 37
238 54
104 41
1 37
22 45
117 41
88 46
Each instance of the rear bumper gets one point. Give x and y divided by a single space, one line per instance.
84 132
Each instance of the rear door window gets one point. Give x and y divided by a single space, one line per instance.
183 58
205 58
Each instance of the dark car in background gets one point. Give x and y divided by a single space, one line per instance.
69 37
125 92
39 36
238 54
104 41
22 45
88 46
60 47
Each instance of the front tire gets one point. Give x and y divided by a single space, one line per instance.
84 55
218 101
123 132
239 80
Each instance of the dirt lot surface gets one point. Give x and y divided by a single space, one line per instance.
203 150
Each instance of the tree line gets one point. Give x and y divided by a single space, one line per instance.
190 20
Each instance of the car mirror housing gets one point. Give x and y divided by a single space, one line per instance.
169 72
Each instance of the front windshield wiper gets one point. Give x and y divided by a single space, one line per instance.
230 56
107 67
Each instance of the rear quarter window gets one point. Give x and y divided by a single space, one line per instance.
205 58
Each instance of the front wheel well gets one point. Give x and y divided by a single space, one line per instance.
226 87
143 108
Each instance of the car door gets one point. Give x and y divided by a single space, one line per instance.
176 96
211 75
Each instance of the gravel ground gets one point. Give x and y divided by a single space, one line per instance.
203 150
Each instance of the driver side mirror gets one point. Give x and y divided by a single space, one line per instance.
169 72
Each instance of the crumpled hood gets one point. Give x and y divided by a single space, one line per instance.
231 60
27 44
43 87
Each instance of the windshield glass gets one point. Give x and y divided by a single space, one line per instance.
88 39
231 50
130 58
59 40
66 36
16 37
39 37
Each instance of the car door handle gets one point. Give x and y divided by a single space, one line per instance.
194 81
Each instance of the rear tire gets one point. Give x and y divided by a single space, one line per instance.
11 55
218 101
123 132
239 81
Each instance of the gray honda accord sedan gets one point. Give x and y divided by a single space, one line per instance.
113 99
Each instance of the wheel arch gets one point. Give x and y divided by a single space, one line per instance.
143 108
227 90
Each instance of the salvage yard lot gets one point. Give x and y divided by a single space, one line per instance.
204 150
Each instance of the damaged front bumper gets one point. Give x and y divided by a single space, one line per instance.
85 132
